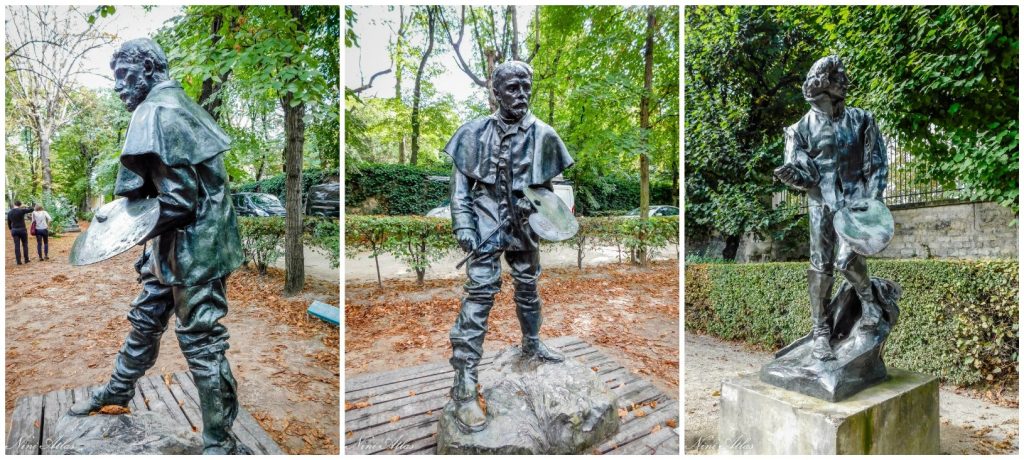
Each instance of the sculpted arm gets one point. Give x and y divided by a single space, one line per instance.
874 144
798 171
463 221
177 192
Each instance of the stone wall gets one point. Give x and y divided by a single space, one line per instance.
958 231
952 231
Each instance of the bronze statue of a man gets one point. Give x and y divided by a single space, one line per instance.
495 158
837 155
173 151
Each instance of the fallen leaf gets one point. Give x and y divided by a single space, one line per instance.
671 423
623 412
412 393
656 429
639 413
716 393
394 419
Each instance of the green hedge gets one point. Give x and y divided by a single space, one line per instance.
263 237
616 195
394 189
400 189
420 241
958 318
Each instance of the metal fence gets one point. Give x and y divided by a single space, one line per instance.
902 190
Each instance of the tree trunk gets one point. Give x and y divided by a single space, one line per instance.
398 75
294 129
209 97
732 246
44 160
645 125
415 149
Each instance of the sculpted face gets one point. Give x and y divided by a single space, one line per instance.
132 81
513 94
838 83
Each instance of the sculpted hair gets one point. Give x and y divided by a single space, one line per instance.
510 68
818 77
140 49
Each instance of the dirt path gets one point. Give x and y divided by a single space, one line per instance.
64 325
630 314
968 425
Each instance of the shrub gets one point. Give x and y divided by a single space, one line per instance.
416 241
397 189
323 235
958 318
261 240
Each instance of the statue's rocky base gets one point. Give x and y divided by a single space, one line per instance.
858 364
535 407
898 416
142 433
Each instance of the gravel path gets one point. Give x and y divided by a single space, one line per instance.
969 425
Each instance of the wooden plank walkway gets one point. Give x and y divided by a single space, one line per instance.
35 417
416 396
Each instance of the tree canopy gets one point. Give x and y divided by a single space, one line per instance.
589 71
942 80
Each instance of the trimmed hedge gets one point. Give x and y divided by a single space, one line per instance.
421 241
401 189
262 239
958 318
395 189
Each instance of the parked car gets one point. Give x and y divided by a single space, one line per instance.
324 200
257 204
655 211
563 190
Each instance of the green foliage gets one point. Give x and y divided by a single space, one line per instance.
416 241
261 240
941 79
615 195
394 189
958 318
945 79
744 67
324 236
62 212
632 235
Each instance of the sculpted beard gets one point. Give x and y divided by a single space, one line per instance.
134 94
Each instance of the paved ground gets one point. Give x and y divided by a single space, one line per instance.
362 268
969 425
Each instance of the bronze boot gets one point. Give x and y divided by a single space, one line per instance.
820 290
528 311
468 414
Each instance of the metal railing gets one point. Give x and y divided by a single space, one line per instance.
902 190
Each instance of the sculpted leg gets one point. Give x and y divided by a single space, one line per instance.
819 280
149 316
525 271
855 269
467 337
203 341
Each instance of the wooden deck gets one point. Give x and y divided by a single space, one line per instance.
175 395
405 405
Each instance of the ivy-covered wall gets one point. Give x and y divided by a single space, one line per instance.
958 318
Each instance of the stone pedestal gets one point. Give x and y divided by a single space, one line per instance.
897 416
143 433
535 407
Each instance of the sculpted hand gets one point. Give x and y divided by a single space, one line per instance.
524 206
467 239
790 175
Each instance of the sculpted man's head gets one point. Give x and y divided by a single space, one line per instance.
828 75
138 65
513 83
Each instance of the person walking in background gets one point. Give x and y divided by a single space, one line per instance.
41 219
16 224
